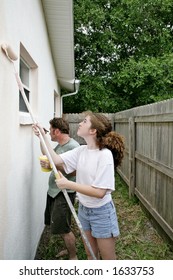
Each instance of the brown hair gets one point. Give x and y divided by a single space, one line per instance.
106 138
61 124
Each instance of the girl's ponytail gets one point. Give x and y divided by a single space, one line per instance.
114 142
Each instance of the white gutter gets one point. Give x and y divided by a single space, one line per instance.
76 86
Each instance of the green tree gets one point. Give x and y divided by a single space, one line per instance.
123 54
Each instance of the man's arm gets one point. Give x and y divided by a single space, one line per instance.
37 129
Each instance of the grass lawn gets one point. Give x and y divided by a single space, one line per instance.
138 239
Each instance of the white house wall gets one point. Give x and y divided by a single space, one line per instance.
22 185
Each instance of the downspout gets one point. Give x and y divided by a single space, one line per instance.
76 87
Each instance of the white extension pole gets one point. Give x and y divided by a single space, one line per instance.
20 85
12 56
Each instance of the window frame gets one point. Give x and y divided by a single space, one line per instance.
25 57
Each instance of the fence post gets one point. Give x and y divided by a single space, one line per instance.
131 156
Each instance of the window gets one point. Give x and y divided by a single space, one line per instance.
24 75
28 72
56 104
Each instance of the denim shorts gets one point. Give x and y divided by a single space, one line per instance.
101 221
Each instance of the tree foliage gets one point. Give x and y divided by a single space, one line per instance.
123 54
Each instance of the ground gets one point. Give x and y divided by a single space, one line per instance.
139 240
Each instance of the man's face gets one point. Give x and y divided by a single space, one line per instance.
53 133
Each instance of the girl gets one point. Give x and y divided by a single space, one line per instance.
94 164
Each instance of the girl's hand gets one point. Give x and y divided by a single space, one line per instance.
62 182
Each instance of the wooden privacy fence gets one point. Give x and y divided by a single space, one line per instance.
148 164
147 167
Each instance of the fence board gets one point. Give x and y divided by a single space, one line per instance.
131 156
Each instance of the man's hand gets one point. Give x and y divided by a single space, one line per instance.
37 129
45 164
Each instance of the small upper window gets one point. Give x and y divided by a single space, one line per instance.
56 104
24 75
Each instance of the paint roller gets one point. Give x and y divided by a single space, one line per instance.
9 52
12 57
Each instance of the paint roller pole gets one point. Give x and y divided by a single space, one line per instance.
55 170
11 56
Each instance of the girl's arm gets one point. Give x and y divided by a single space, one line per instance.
63 183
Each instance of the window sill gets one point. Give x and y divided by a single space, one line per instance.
25 118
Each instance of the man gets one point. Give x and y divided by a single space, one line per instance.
57 212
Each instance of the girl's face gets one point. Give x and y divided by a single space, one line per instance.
84 127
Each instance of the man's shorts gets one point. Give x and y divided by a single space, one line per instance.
58 214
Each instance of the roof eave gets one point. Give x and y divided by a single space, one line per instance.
60 27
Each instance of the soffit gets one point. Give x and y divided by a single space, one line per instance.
59 21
